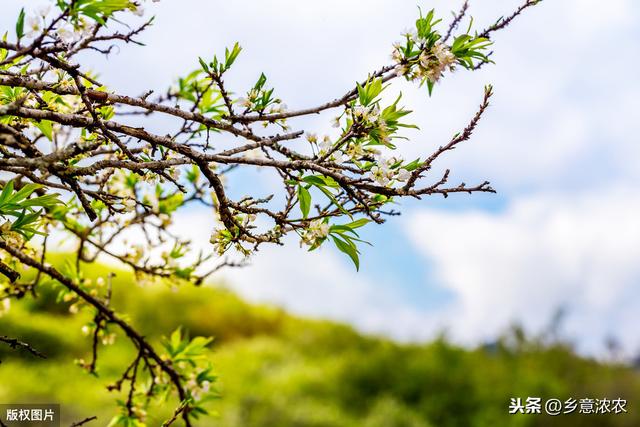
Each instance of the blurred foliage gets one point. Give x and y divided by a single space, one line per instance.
278 370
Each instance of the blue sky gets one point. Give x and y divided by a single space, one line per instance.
559 143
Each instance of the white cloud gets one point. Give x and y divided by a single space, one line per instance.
320 284
564 118
563 103
564 98
545 251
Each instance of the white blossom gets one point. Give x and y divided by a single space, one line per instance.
355 151
244 102
278 108
397 55
109 339
129 205
219 241
319 228
403 175
5 305
255 154
311 137
374 114
401 70
67 34
444 55
360 111
380 175
34 25
44 10
174 173
326 145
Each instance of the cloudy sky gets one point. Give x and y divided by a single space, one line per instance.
559 143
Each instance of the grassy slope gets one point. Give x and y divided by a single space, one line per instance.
278 370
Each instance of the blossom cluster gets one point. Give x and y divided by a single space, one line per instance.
198 388
66 31
317 231
9 236
431 64
386 171
139 9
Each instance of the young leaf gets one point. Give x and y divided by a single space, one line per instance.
204 65
358 223
349 249
46 127
305 201
20 24
230 56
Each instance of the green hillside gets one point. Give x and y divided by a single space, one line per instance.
275 369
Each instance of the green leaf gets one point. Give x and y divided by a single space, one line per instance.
176 338
430 87
341 229
413 165
20 24
349 249
230 56
46 127
261 81
6 191
424 27
358 223
99 10
305 201
334 200
204 65
321 181
370 91
23 193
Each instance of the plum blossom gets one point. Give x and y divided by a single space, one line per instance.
35 24
5 305
380 174
326 145
312 137
278 108
397 55
255 154
444 55
244 102
431 63
403 175
44 10
360 112
355 151
71 34
374 114
198 389
317 230
9 236
109 339
385 171
129 205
